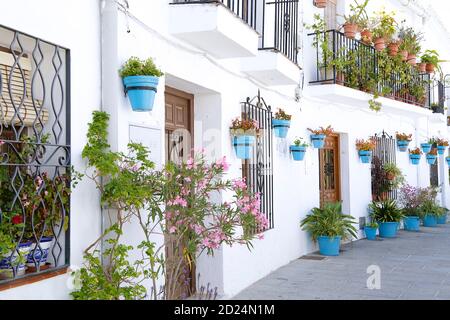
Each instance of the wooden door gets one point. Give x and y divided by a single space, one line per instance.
330 184
179 140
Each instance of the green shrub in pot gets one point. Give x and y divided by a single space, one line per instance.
388 215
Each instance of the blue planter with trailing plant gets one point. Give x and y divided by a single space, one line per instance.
441 150
365 156
141 91
318 140
243 146
371 233
329 246
411 223
442 219
415 158
388 229
281 127
431 159
39 253
430 220
426 147
403 145
11 260
298 152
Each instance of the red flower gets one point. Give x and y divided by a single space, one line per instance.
17 219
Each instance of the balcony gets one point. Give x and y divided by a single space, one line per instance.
353 64
223 28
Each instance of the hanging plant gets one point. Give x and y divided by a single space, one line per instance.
441 144
403 141
244 134
415 155
426 146
298 149
432 156
318 136
281 123
365 149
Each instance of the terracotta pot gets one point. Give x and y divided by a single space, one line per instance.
393 49
390 176
422 67
350 30
430 68
366 37
340 78
404 55
380 44
412 59
321 3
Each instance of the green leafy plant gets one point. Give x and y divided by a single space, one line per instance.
430 207
385 211
330 222
137 67
372 224
394 175
385 25
282 115
358 14
300 142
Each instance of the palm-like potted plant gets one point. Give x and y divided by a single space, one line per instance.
281 123
140 79
415 155
403 140
318 136
365 149
244 133
298 149
388 215
328 226
370 229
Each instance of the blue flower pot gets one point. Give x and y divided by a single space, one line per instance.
426 147
415 158
448 161
388 229
430 220
141 91
365 156
402 145
298 152
371 233
441 150
431 159
318 140
442 219
329 246
243 145
281 127
411 223
39 254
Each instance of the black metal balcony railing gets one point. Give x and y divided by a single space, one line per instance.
352 63
276 21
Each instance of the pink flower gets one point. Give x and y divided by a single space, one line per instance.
172 229
260 236
2 142
187 180
223 164
239 184
190 163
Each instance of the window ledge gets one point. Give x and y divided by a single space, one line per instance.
32 278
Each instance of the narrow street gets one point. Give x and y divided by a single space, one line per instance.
413 266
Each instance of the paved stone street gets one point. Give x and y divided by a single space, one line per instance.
413 266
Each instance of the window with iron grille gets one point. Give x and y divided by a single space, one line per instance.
34 156
258 170
385 152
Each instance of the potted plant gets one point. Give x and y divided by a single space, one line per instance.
298 149
140 79
403 140
244 133
393 175
430 213
426 147
388 216
328 226
366 26
422 67
432 156
431 58
442 218
320 3
370 230
365 149
411 199
411 41
352 21
384 30
393 47
318 136
442 145
281 123
415 155
437 108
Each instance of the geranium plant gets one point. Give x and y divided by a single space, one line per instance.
325 131
282 115
415 151
404 137
365 145
241 127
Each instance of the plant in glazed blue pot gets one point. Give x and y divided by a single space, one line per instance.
432 156
298 149
140 80
244 133
318 136
365 149
388 216
328 226
370 230
426 147
403 141
281 123
431 211
415 155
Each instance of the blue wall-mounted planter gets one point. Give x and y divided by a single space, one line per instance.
430 220
243 146
441 150
371 233
329 246
298 152
403 145
448 161
388 229
426 147
415 158
442 219
411 223
431 159
365 156
318 140
141 91
281 127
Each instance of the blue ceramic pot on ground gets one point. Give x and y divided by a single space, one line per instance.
442 219
402 145
243 146
431 159
39 253
388 229
365 156
281 127
298 152
430 221
329 246
411 223
318 140
11 260
141 91
371 233
415 158
426 147
441 150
